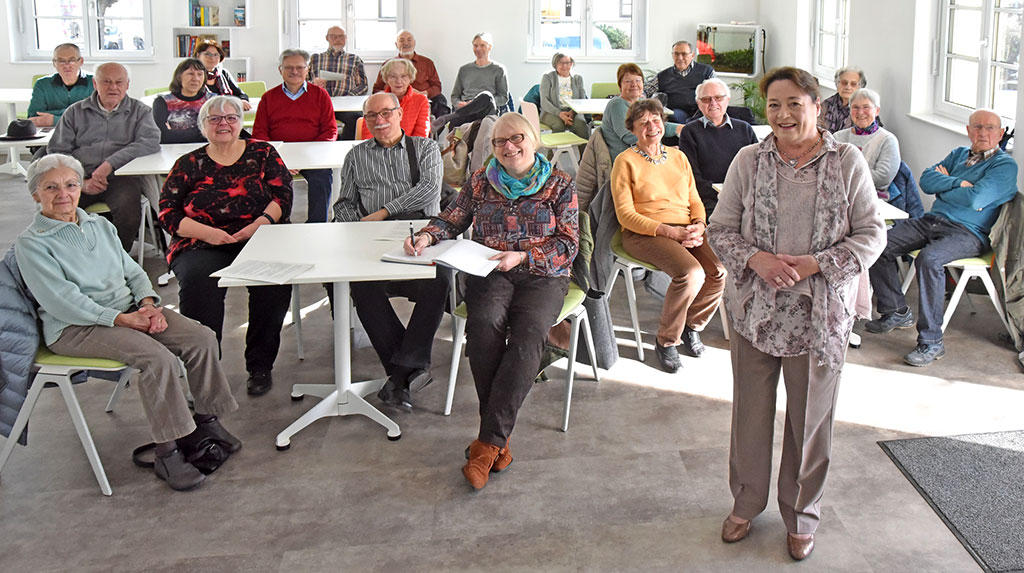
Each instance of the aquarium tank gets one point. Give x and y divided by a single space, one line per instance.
731 49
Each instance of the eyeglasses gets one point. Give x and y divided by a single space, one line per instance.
70 186
708 99
60 62
501 141
399 77
988 128
210 54
293 68
230 119
383 114
118 83
682 54
336 36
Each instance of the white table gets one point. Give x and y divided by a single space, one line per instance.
342 253
761 131
348 103
14 148
588 106
889 212
12 97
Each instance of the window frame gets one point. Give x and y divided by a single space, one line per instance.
986 62
535 53
24 40
291 23
826 74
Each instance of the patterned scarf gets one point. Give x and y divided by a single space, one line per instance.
868 130
513 188
831 224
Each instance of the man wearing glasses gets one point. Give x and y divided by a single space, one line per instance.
711 141
104 132
298 110
51 95
427 81
969 186
395 176
349 66
679 82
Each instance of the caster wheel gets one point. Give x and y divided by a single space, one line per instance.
394 438
283 448
298 398
854 346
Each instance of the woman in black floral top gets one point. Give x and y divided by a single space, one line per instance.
521 206
214 199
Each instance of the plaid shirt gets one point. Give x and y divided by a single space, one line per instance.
345 63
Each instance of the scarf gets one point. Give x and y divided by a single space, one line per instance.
513 188
830 226
868 130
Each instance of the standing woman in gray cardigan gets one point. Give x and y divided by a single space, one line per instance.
555 88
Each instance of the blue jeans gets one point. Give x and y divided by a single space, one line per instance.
940 241
680 115
318 195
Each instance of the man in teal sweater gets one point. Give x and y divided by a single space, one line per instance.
51 95
969 186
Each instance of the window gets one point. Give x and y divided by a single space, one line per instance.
979 55
371 25
103 29
589 30
831 21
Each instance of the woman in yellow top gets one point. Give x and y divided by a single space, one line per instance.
663 223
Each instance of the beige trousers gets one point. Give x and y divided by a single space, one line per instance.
806 443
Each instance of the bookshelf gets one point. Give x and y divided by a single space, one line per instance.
213 19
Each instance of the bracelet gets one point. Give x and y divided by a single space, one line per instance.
269 218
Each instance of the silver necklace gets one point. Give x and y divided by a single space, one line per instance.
792 161
659 161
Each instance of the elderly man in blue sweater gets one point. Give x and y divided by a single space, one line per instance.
969 186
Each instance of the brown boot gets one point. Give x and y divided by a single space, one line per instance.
503 460
481 460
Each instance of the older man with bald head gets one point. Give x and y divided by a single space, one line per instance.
104 132
427 81
395 176
350 66
969 186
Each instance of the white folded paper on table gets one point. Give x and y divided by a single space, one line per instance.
460 254
263 271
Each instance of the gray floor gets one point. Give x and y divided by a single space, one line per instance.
638 483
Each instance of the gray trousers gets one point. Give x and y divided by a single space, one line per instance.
811 392
156 358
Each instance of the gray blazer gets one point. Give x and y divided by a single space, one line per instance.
549 100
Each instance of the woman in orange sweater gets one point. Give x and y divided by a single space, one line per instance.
663 223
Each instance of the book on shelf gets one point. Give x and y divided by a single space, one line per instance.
187 44
226 45
241 76
240 16
460 254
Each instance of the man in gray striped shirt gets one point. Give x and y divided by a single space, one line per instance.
395 176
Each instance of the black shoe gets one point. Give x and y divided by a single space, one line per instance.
668 357
419 379
891 321
215 430
259 383
692 346
397 398
178 473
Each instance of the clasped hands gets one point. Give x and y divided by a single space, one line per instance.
688 235
149 319
782 271
97 181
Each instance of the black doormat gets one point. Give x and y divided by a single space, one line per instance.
975 483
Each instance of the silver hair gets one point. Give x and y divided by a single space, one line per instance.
868 94
487 37
48 163
293 52
717 81
854 69
687 42
394 100
98 70
218 103
68 45
409 67
559 56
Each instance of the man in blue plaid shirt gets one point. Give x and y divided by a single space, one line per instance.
337 60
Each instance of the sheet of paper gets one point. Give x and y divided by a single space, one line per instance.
462 254
264 271
330 76
399 230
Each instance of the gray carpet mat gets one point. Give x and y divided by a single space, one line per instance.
975 483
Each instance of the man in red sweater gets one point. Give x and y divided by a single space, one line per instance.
298 110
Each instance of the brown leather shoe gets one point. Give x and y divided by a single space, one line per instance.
799 549
503 460
481 460
733 532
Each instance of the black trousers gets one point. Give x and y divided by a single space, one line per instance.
399 345
509 315
201 299
348 118
481 106
439 105
124 197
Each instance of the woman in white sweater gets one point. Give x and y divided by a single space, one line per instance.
879 146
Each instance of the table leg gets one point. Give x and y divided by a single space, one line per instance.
13 165
346 398
335 190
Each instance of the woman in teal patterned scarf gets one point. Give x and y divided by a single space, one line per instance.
521 206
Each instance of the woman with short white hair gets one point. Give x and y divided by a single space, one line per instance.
879 145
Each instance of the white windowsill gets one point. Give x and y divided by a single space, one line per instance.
941 121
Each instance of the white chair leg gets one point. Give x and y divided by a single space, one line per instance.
958 292
908 277
119 387
297 321
724 316
83 434
588 337
142 235
22 420
633 316
453 371
616 269
991 288
574 339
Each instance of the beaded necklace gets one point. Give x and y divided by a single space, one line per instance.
648 158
